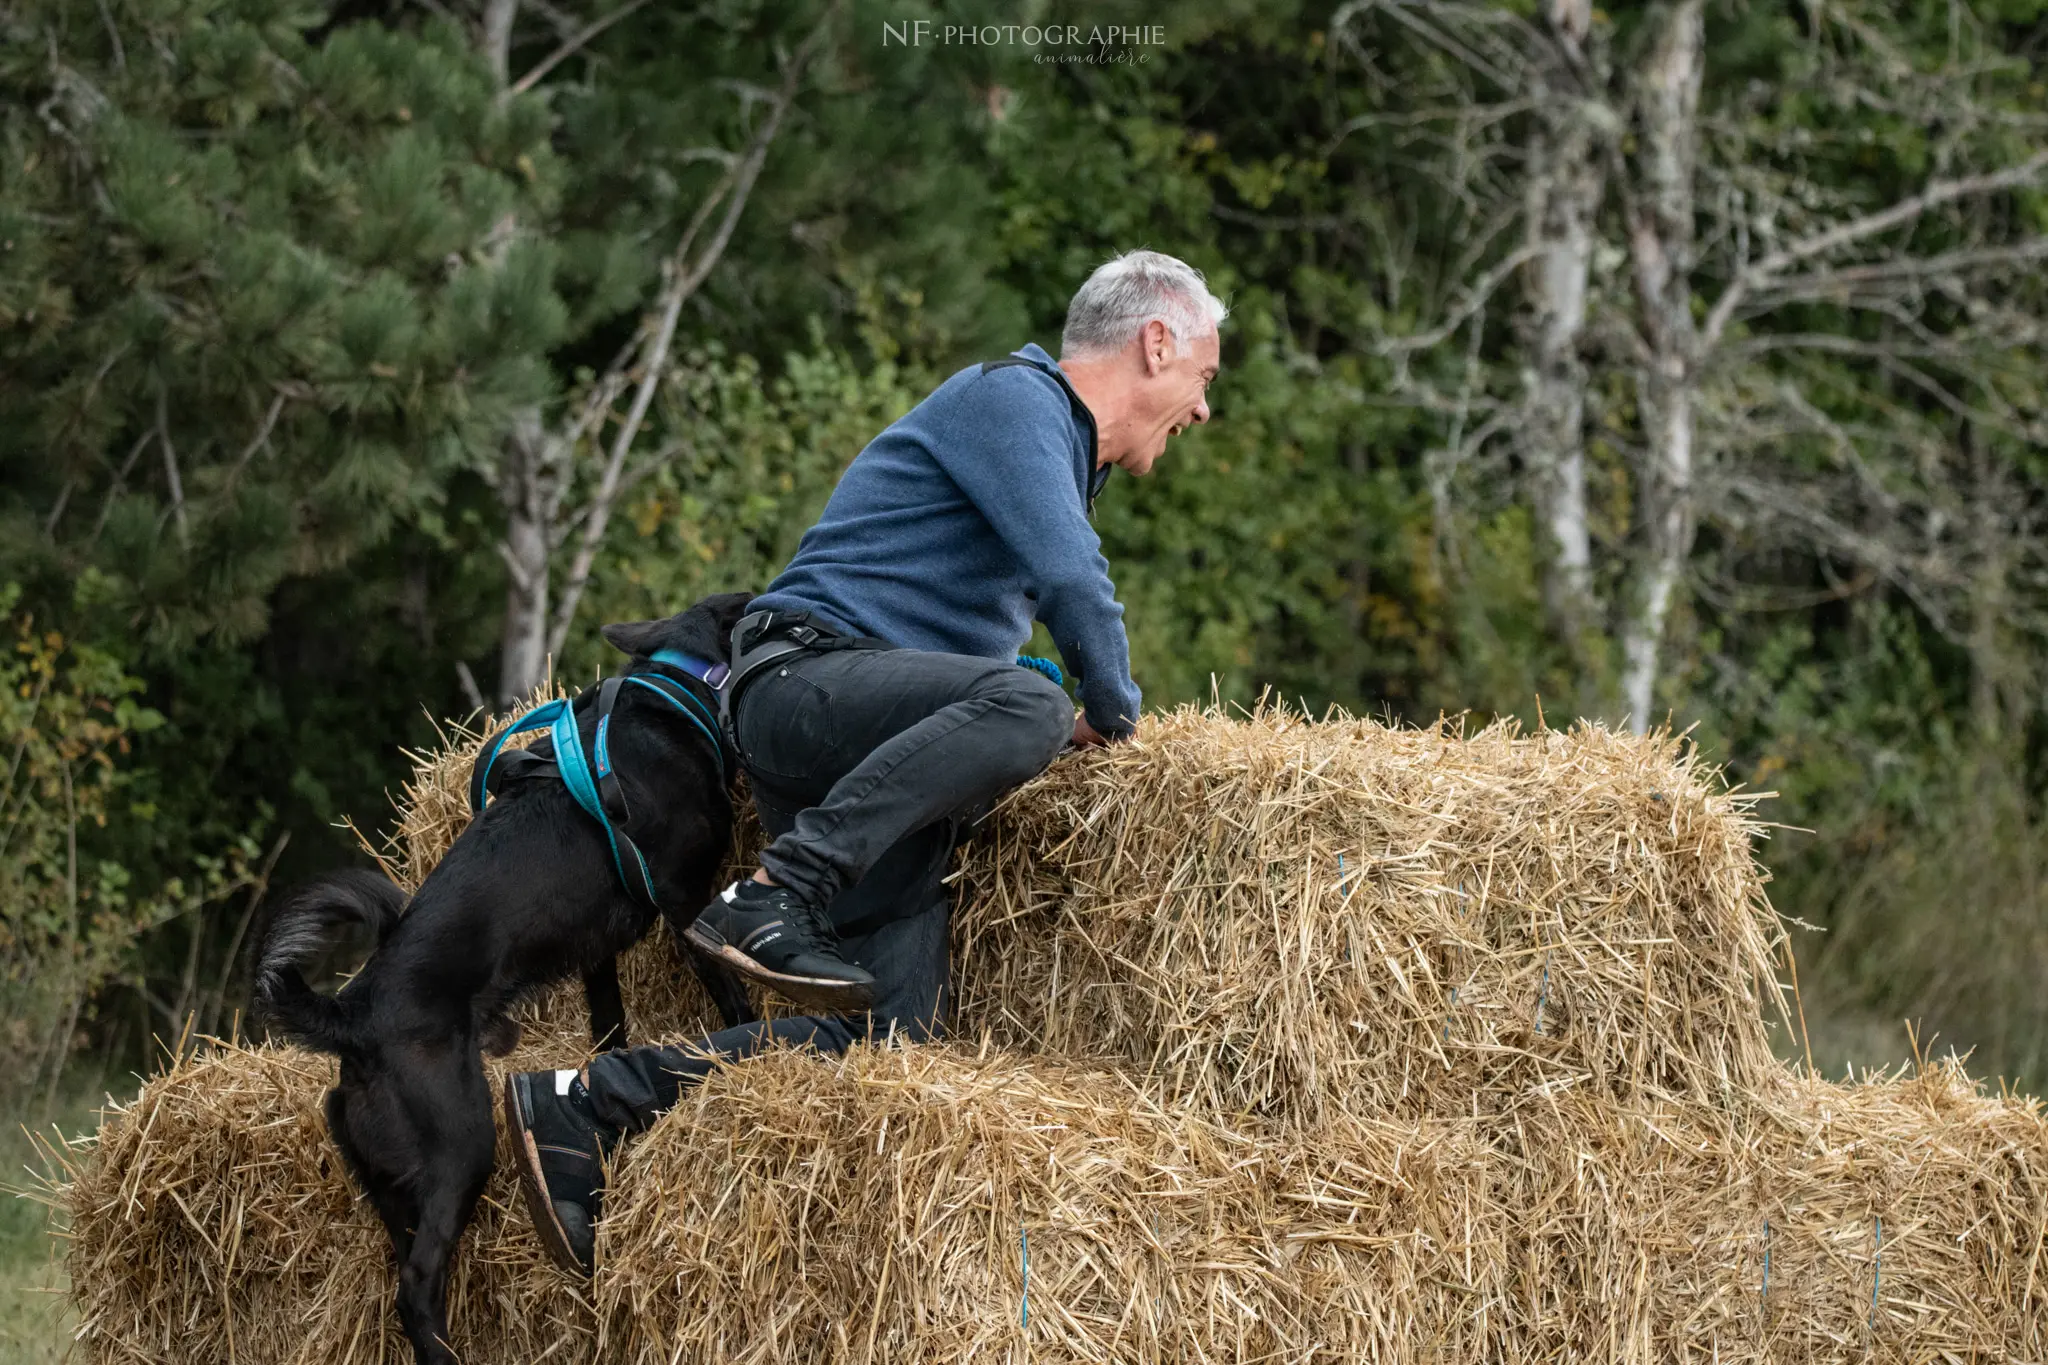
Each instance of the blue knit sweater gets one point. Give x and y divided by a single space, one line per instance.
966 519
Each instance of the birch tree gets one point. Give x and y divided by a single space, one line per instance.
1727 238
1659 216
1566 183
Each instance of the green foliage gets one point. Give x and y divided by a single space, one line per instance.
69 918
67 714
761 456
276 277
258 304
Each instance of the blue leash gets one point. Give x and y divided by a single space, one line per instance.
1042 666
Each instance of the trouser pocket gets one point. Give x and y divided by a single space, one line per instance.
784 726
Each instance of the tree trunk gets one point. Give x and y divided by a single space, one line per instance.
1661 255
532 478
1566 183
1668 538
499 17
1991 671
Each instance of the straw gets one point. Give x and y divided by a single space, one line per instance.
1214 1113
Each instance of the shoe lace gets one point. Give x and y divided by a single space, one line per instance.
815 929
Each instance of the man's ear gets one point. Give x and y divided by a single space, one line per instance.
638 638
1158 346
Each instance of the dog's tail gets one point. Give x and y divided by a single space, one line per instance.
303 928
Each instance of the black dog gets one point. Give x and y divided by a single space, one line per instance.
529 895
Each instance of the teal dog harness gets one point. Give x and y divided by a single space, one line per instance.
592 780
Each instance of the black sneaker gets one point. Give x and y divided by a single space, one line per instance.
767 933
560 1147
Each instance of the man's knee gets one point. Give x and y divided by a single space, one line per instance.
1041 721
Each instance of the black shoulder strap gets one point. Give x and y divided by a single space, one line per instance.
613 794
609 789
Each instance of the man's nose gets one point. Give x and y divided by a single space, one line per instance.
1202 410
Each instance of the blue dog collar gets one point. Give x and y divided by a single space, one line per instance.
712 675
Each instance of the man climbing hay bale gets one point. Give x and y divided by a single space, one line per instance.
877 707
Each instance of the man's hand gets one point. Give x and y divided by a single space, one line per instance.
1085 735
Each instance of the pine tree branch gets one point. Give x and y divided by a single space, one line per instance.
570 47
1855 230
176 510
115 490
256 443
63 501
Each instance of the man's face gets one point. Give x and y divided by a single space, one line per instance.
1172 393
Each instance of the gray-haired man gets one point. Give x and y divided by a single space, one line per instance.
904 714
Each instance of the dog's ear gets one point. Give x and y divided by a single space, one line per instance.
638 638
704 629
723 611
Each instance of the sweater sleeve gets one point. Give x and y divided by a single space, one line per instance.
1010 451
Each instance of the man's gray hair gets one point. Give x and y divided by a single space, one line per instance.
1129 291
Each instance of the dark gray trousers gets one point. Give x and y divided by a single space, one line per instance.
867 765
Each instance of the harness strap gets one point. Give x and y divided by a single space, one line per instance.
539 718
609 791
760 638
692 707
595 786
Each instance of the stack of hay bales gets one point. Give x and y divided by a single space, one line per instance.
1278 1040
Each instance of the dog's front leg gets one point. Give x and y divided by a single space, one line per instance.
607 1010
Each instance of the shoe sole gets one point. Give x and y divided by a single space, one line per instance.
812 992
554 1239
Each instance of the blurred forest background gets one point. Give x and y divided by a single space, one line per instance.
1653 360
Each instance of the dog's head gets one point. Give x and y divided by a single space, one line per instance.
703 630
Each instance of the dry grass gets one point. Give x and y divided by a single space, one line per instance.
1225 1097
